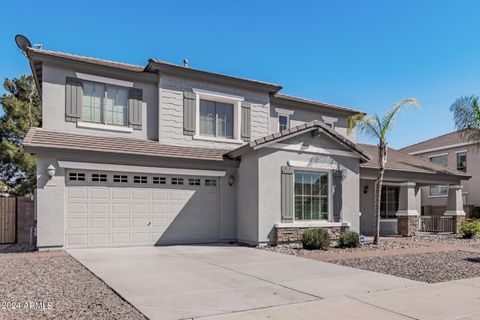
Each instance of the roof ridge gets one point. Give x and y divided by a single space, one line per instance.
431 139
83 57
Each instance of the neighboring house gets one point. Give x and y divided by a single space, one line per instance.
167 154
452 151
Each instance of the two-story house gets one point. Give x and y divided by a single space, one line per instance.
453 151
167 154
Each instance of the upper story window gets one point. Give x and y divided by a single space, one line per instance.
441 159
216 119
283 122
104 103
462 161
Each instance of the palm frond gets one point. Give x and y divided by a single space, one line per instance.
366 124
466 115
389 117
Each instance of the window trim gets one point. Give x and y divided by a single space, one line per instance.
329 195
105 127
330 120
94 78
458 153
219 97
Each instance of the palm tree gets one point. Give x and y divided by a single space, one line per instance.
466 114
377 128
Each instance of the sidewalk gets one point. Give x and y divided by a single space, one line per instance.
457 300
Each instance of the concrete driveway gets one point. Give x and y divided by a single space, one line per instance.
181 282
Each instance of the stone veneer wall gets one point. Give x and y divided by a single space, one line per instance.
407 226
294 234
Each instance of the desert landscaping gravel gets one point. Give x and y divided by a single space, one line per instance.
54 285
428 267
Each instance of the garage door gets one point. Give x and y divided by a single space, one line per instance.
117 209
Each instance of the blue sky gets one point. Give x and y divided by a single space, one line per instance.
363 54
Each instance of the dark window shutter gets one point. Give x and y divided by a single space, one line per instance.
287 194
73 99
246 120
337 195
189 113
135 103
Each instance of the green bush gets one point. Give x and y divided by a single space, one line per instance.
470 229
349 239
314 239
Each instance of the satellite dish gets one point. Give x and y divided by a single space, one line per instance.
22 42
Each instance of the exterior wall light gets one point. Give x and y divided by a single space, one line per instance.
365 189
51 171
231 180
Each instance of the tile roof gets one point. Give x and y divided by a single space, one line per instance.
41 138
303 127
451 138
102 62
313 102
400 161
176 67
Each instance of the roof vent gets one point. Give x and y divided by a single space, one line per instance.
38 46
185 63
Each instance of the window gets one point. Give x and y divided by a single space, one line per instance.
440 159
389 202
439 190
140 179
75 176
462 161
311 195
159 180
119 178
99 177
194 182
210 183
104 103
177 181
283 122
216 119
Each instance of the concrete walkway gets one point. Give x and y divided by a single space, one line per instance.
181 282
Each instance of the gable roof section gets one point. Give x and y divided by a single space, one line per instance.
400 161
440 142
287 99
303 128
41 138
168 67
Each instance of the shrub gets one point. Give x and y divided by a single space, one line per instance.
314 239
349 239
470 229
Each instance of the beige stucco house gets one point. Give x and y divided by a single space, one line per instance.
166 154
452 151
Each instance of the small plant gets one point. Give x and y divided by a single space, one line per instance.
470 229
349 239
314 239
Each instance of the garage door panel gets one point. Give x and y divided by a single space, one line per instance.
99 193
120 193
97 223
99 208
122 213
121 222
77 208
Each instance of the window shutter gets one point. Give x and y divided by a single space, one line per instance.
135 103
337 195
73 99
189 113
246 119
287 194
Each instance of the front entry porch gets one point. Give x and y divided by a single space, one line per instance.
400 209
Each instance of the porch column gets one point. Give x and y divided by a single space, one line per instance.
407 214
455 206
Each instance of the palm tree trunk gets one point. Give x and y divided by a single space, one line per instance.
382 160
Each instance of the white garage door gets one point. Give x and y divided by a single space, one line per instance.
118 209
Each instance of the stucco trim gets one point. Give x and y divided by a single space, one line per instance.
105 127
139 169
441 148
311 149
308 165
91 77
312 224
